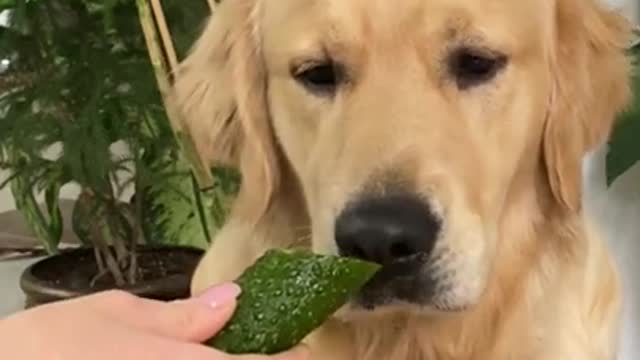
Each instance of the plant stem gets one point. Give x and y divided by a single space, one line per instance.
133 262
162 71
117 242
200 207
137 224
100 231
113 223
99 261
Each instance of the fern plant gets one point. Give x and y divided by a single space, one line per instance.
77 82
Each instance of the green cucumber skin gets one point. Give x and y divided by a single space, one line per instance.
286 295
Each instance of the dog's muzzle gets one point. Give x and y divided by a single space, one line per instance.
398 231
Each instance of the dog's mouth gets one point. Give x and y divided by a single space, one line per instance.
407 280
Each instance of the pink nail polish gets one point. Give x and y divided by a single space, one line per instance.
220 294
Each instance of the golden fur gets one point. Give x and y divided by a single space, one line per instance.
502 161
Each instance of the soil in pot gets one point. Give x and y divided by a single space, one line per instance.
164 273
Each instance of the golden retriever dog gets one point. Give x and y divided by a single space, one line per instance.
442 139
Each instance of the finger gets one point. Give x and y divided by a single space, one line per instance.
300 352
194 320
162 348
167 349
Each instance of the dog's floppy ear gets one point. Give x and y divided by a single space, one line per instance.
220 93
590 72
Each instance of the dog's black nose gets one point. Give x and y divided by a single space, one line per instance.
384 229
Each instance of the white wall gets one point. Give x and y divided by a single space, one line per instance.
70 191
617 211
7 203
629 7
6 200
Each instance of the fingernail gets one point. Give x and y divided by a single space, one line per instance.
220 294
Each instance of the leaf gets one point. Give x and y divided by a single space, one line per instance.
52 202
49 233
624 147
7 4
170 212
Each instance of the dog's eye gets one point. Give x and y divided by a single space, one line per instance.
472 67
320 78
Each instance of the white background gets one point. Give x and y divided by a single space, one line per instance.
617 210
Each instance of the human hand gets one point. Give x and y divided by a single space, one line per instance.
117 325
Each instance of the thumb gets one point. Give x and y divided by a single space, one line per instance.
205 315
194 320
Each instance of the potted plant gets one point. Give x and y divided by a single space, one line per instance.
78 83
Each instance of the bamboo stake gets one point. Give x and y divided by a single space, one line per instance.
165 35
202 173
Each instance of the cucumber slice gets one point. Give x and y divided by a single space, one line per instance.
286 295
